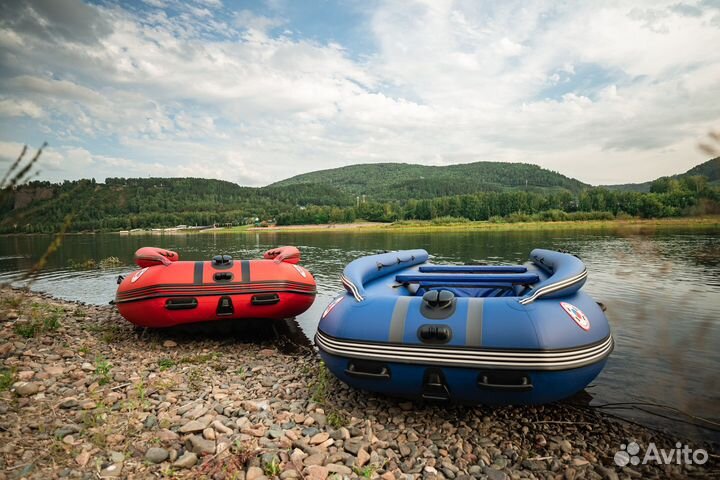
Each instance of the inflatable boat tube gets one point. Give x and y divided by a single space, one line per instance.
473 334
166 292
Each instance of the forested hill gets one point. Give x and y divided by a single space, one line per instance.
377 192
396 181
709 170
122 203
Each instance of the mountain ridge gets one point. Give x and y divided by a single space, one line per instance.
388 181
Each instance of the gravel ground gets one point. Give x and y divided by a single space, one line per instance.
83 394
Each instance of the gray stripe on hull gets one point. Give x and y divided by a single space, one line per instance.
397 323
198 273
474 322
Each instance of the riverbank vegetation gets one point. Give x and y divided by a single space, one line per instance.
126 204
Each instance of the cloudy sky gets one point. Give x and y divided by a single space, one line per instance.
257 91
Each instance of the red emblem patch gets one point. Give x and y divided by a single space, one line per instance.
576 314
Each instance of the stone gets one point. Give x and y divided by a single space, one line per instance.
169 344
68 403
112 471
66 430
310 431
566 446
150 422
54 370
607 473
156 455
166 435
193 426
25 375
362 457
493 474
251 406
26 389
209 434
199 445
339 469
188 460
253 473
220 428
317 472
115 438
116 457
83 458
315 459
319 438
353 446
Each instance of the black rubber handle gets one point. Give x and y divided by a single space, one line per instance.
439 397
270 299
181 303
383 374
525 386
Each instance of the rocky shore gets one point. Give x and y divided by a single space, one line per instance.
83 394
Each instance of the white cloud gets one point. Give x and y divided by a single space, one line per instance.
19 108
604 92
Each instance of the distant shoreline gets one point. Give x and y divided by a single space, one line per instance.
429 226
419 226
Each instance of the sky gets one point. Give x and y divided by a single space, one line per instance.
257 91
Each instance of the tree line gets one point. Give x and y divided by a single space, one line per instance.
123 203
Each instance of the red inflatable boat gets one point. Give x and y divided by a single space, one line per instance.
167 292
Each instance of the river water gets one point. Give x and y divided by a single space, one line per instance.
661 288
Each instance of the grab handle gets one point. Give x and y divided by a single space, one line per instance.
523 385
269 299
181 303
382 372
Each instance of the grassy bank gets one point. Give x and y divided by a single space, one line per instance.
708 222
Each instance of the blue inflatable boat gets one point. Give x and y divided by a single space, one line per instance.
475 334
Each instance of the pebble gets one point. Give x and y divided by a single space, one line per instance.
319 438
26 389
112 471
493 474
315 459
187 460
66 430
194 426
317 472
156 455
339 469
362 457
200 445
217 399
150 422
220 428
